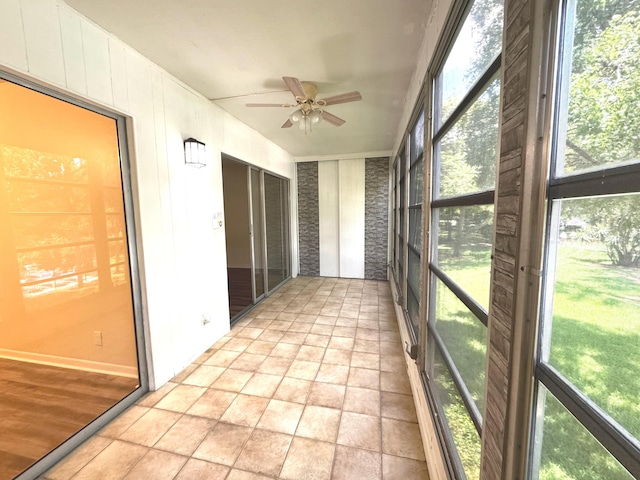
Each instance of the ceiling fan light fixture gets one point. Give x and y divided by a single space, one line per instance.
315 116
296 116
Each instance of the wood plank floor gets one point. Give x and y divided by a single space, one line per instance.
41 406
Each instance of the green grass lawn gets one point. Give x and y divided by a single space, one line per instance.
595 345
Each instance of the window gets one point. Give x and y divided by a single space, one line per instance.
402 203
587 418
414 239
465 144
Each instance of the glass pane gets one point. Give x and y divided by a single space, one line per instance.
596 306
258 254
463 431
275 198
569 451
413 307
602 118
477 45
413 276
415 186
464 248
465 338
415 227
66 305
468 151
417 139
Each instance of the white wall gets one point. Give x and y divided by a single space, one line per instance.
183 258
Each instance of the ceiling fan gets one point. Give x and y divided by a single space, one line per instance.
309 110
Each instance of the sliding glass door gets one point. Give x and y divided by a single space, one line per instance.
257 229
68 288
277 229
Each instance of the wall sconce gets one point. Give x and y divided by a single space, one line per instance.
195 153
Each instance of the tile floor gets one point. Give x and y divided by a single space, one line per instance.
309 385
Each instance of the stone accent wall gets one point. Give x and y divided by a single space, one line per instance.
376 223
308 219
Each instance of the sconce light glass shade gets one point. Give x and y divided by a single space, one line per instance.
296 116
195 153
315 117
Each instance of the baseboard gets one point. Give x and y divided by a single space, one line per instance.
72 363
432 450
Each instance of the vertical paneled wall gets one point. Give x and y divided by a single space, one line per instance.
376 223
343 210
308 219
329 230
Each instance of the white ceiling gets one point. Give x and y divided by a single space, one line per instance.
243 48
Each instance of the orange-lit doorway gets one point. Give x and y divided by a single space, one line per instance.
68 298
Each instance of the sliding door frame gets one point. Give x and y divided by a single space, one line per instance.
130 218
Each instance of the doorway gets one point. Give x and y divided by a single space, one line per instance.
256 206
69 296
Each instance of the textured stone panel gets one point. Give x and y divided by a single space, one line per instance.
376 224
308 219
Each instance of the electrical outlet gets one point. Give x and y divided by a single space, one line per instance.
206 318
97 338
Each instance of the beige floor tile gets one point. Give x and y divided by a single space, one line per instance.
267 314
280 416
296 338
236 474
245 410
237 344
203 357
204 375
362 400
303 370
250 332
320 423
391 337
399 407
365 360
337 357
249 362
196 469
285 350
185 373
271 336
264 452
113 462
402 439
275 365
391 348
329 373
319 329
360 431
157 465
326 320
181 398
367 334
349 311
286 316
398 468
364 378
301 327
317 340
68 467
280 325
222 358
348 332
261 347
185 435
262 385
212 404
366 346
223 444
293 390
124 421
149 428
232 380
357 464
393 363
395 382
326 395
341 343
151 398
308 459
305 318
310 354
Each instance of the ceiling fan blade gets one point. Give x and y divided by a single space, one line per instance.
287 124
342 98
266 105
332 119
295 86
